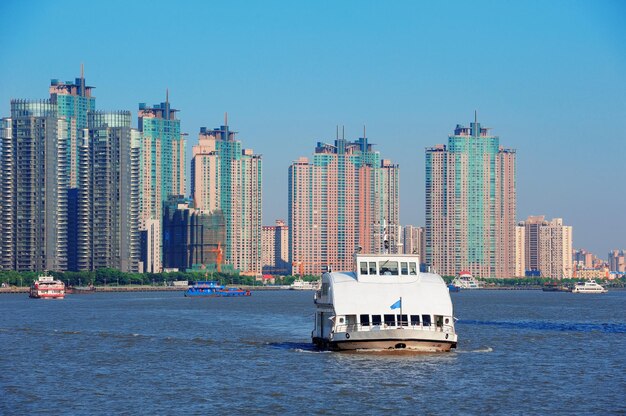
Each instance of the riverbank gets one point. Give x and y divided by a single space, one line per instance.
149 288
134 288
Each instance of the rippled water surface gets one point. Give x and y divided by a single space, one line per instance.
520 352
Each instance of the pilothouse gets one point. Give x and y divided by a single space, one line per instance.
385 303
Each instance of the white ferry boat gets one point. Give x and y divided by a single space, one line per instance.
45 287
300 284
465 280
589 286
386 304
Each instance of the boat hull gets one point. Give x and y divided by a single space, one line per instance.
417 340
225 294
47 296
390 344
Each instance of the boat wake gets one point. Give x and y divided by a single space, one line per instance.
478 350
295 346
611 328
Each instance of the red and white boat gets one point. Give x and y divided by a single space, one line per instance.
45 287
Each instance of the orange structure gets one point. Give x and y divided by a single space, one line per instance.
220 256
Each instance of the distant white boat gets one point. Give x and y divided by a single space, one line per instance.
465 280
589 286
300 284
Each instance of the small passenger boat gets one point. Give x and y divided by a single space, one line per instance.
45 287
386 303
300 284
465 280
589 286
214 289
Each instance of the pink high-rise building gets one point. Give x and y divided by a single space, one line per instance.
346 198
228 177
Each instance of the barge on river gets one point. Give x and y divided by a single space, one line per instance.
386 303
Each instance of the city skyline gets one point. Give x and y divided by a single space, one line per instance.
547 77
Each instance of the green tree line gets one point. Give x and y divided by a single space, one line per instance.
539 281
112 277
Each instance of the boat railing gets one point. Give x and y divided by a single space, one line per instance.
386 326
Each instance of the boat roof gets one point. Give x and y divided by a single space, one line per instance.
421 293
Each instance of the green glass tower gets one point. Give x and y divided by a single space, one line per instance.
74 102
470 204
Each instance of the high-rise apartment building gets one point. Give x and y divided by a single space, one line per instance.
275 244
470 204
346 198
532 227
33 188
617 261
414 241
162 166
74 102
520 250
555 248
547 247
226 176
108 210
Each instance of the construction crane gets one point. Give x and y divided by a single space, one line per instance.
220 256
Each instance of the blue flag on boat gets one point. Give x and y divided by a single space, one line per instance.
397 305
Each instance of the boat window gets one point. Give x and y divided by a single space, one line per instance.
363 267
390 320
373 268
426 320
376 320
365 320
325 286
402 320
404 268
389 268
439 321
412 268
415 319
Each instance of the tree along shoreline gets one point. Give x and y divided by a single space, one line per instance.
111 277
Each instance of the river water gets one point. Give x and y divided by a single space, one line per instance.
520 352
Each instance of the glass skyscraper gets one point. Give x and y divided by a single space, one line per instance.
470 204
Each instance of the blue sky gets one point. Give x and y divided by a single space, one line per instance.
548 77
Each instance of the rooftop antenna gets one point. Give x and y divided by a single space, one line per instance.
82 70
364 136
167 96
475 117
337 133
343 132
226 118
